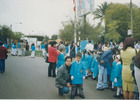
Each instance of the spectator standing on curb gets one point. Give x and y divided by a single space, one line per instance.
27 49
53 54
3 54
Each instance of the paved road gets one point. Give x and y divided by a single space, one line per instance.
26 78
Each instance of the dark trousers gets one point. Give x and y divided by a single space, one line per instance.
77 87
2 65
51 68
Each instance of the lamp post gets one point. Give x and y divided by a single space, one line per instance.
14 24
131 12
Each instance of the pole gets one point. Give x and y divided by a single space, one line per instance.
131 12
85 25
74 21
75 28
11 26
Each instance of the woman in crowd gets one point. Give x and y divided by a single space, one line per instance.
53 54
127 54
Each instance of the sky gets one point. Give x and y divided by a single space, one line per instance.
42 17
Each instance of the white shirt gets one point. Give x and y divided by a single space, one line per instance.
89 47
137 46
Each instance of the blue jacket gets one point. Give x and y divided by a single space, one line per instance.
79 49
106 57
67 49
94 66
85 61
14 46
43 46
5 46
75 71
33 48
61 60
90 58
118 75
18 45
112 71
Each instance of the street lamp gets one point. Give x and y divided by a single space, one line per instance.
14 24
131 12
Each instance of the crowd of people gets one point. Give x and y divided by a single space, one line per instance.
110 64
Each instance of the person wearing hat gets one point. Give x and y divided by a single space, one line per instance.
78 73
52 59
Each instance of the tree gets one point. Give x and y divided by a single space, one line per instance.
18 35
46 38
120 14
100 13
92 33
66 34
54 37
6 32
112 33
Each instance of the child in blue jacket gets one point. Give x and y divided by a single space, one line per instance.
61 58
90 59
84 59
94 67
118 77
112 74
77 73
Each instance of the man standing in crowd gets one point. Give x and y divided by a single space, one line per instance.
63 78
27 49
23 48
89 47
3 53
43 49
102 77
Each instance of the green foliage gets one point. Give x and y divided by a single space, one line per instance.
46 38
18 35
67 34
112 33
100 11
6 32
118 16
54 37
90 31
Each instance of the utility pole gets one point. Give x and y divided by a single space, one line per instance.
131 12
74 21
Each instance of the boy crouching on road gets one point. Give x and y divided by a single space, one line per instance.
78 73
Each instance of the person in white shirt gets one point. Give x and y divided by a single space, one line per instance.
89 47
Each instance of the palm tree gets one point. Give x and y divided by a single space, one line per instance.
100 12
